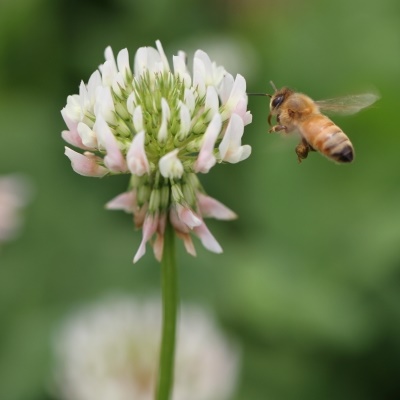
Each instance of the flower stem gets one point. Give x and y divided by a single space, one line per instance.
169 287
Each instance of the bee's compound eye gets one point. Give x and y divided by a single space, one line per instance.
277 101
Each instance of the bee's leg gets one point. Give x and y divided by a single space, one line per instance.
302 150
278 128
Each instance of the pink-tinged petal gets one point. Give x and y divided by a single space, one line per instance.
170 166
72 136
206 159
71 123
188 243
113 160
140 215
136 157
187 216
230 148
241 110
210 207
176 222
207 239
124 201
149 228
158 245
237 101
85 165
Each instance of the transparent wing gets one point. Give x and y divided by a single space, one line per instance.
347 105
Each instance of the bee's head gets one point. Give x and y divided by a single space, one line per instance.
277 100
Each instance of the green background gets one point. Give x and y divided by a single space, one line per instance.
309 282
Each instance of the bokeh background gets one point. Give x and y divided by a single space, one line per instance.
309 282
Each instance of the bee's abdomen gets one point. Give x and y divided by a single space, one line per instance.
333 143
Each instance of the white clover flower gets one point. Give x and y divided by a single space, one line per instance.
109 351
163 127
15 193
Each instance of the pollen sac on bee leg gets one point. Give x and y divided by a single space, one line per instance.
302 150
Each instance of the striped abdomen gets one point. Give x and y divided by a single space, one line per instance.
326 137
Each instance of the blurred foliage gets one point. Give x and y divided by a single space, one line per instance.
309 282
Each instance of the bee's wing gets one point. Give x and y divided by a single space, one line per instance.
347 105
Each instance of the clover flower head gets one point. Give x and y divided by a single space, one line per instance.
162 126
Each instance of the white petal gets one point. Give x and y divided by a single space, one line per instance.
72 112
165 116
202 56
147 59
123 63
180 69
189 100
136 157
185 120
104 104
206 159
131 103
138 119
170 165
226 88
211 102
199 76
88 137
162 55
108 72
109 54
230 148
118 83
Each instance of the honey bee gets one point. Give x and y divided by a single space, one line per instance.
297 112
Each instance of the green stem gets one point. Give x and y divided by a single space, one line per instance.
169 287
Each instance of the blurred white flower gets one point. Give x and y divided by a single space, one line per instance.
14 195
109 351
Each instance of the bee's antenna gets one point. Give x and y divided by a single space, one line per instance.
259 94
273 86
